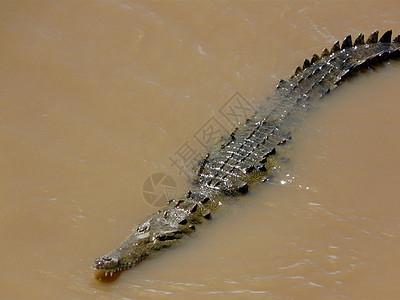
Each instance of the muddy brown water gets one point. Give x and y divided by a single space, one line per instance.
98 95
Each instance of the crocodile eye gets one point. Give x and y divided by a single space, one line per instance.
143 228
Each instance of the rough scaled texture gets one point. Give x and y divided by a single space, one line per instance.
247 155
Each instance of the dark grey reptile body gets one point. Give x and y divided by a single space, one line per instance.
248 154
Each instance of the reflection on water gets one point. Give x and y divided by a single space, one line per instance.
97 96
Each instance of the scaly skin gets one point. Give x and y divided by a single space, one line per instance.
247 155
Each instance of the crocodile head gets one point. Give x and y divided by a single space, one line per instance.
127 255
146 239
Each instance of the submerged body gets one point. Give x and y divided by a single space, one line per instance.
248 154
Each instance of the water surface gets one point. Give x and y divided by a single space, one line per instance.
97 96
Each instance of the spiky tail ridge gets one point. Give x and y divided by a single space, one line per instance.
229 169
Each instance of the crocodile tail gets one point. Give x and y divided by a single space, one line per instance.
323 73
229 170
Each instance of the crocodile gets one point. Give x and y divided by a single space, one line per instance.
249 154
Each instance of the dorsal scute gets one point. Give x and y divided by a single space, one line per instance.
281 83
298 70
347 43
373 38
306 63
325 53
335 47
314 58
386 37
359 40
